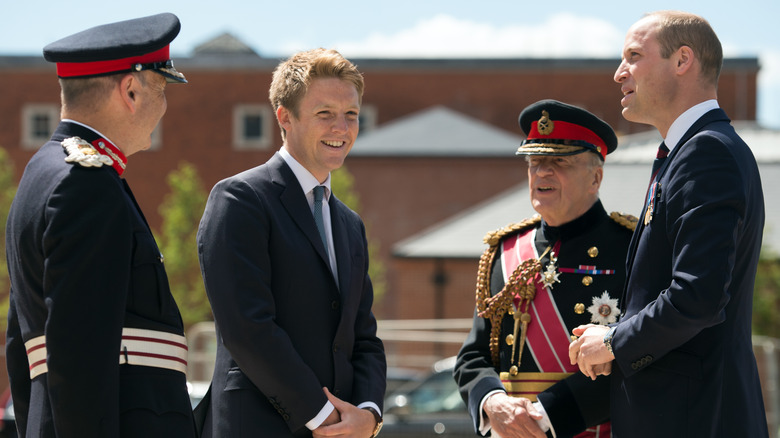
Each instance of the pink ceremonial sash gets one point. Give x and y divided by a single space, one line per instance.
548 338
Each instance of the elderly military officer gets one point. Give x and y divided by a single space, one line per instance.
542 277
95 344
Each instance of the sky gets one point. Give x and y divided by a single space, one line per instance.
416 29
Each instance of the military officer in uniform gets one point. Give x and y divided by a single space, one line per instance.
542 277
95 344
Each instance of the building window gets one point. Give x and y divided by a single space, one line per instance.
252 126
367 118
38 124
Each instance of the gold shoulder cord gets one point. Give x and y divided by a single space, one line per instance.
627 220
520 283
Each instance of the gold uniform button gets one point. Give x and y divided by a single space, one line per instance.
593 252
510 339
579 308
587 280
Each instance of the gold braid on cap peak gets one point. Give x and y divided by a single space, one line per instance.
627 220
495 307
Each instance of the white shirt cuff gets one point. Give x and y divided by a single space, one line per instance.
320 418
372 405
544 423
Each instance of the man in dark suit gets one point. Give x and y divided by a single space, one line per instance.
285 265
517 381
681 358
95 343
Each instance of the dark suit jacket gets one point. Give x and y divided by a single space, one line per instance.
575 402
83 264
285 328
684 362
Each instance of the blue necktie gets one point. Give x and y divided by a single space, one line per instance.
318 194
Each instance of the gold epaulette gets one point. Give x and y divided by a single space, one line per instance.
627 220
492 238
495 308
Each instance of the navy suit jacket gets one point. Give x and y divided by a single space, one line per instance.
285 328
684 360
84 264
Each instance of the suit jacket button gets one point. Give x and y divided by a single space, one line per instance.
334 305
335 348
286 417
336 391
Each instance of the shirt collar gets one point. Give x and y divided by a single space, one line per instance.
686 120
304 177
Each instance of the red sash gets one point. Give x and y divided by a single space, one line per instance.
548 338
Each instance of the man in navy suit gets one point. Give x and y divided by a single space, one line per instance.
285 265
95 342
681 358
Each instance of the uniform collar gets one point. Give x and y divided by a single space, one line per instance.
576 227
104 146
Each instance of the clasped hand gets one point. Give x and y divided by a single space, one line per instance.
589 352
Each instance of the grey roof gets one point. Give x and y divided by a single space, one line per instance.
626 175
436 131
223 44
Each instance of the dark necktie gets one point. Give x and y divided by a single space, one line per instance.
660 157
318 195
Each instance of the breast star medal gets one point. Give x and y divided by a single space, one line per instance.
604 309
550 276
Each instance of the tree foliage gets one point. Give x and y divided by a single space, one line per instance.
342 184
181 211
7 192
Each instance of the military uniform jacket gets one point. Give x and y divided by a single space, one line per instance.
684 363
285 328
83 264
592 242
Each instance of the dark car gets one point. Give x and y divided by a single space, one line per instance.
7 419
429 407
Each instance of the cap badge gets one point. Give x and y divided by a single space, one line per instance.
604 309
82 152
545 126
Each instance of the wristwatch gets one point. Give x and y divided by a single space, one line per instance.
378 419
608 339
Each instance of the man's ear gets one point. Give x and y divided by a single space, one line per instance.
685 59
283 115
128 90
598 176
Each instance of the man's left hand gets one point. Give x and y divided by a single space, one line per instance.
589 351
355 422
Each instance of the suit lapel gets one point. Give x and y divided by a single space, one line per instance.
341 243
294 201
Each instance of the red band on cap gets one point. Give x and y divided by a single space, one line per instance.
76 69
570 131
